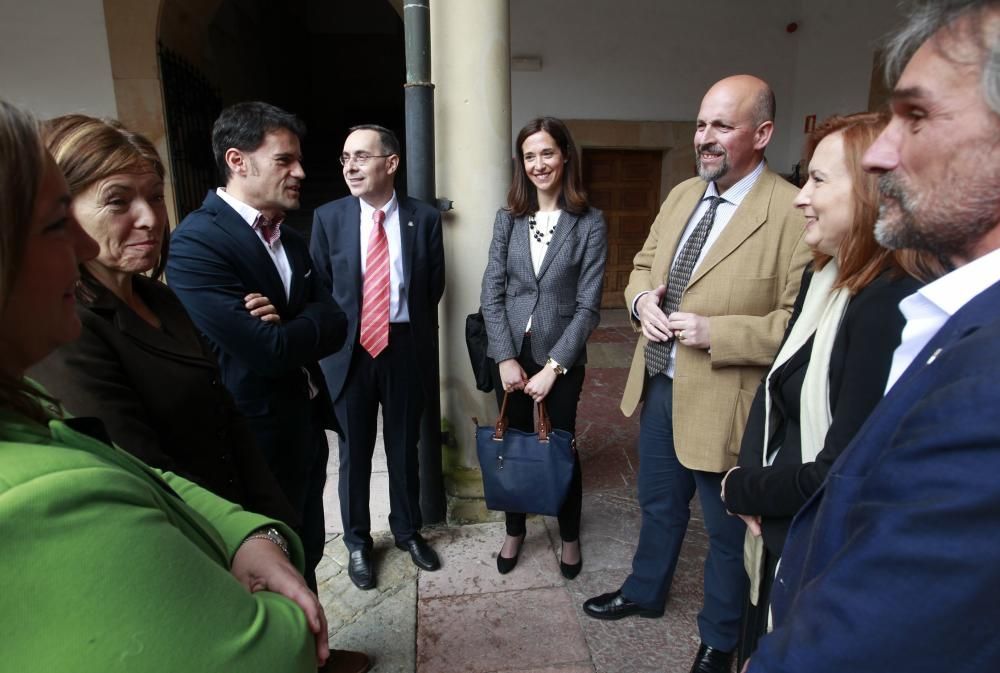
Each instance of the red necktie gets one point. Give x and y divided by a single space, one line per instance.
270 230
375 309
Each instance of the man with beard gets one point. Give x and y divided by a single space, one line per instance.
711 291
894 565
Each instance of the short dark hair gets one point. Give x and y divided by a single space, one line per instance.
244 126
388 139
522 198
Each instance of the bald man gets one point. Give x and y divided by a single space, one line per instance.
711 291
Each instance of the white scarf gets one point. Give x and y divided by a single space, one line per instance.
820 317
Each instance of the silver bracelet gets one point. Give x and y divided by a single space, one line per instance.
271 534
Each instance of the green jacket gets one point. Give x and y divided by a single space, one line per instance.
104 568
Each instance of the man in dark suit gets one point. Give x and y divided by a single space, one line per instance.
894 564
381 257
226 254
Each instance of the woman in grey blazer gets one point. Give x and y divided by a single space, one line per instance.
541 298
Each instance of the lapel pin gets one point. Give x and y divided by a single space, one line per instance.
410 223
933 356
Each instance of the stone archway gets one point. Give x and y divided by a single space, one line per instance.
134 29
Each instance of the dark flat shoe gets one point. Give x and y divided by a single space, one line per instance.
712 660
360 570
570 570
504 564
616 606
421 553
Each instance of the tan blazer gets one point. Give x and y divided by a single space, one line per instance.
746 286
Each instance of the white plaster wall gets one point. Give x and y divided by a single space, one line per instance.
654 59
54 57
837 46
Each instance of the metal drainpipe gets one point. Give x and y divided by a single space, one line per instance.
420 185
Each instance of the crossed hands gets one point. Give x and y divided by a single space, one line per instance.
261 307
690 329
513 377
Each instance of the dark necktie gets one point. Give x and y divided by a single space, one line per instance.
375 294
657 353
269 230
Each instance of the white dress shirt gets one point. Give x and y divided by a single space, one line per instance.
724 212
275 250
398 309
929 308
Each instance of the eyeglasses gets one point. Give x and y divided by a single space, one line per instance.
361 158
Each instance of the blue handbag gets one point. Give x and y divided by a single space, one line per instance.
525 472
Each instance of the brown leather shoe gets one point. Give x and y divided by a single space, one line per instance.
346 661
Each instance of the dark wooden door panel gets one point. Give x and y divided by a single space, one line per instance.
625 184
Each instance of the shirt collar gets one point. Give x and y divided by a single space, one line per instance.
738 191
367 211
247 212
953 290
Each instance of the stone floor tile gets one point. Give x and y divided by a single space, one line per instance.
609 530
469 562
387 633
498 632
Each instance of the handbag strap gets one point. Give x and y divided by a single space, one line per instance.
500 427
543 426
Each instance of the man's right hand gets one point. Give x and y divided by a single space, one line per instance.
652 318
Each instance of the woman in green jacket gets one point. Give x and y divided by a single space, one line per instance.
107 564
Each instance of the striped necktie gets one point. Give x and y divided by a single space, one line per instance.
375 294
657 353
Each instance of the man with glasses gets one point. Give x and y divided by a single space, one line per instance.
381 257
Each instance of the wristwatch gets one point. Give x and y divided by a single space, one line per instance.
555 366
271 534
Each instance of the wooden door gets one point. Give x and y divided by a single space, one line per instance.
625 184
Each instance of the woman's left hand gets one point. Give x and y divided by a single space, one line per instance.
260 565
261 307
539 385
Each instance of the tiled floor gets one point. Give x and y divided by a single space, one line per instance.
467 618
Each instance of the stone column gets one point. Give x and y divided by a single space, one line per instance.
470 46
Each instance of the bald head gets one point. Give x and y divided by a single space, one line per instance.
735 123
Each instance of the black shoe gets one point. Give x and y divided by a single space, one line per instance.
711 660
616 606
504 564
570 570
359 569
346 661
421 553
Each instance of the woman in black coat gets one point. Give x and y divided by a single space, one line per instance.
140 364
832 367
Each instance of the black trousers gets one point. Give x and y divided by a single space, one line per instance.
297 452
561 403
389 380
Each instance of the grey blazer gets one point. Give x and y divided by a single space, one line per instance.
564 298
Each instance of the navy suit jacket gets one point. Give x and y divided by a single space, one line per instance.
894 564
336 253
215 260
